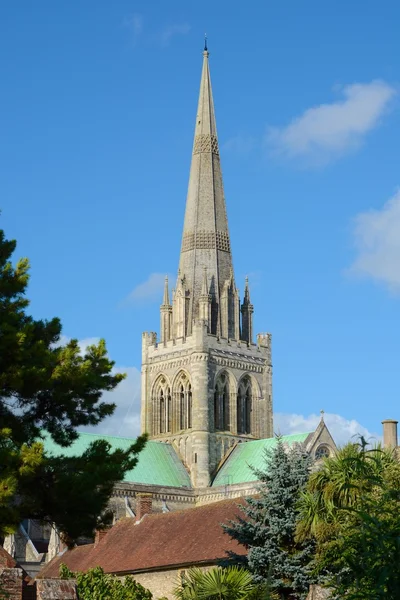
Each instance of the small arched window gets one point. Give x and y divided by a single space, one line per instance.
185 402
322 452
244 406
190 407
162 412
162 407
169 412
221 403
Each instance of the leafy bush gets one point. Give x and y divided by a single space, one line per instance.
97 585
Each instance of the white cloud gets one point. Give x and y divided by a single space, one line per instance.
342 430
240 144
125 421
324 133
85 343
377 242
135 24
172 30
150 290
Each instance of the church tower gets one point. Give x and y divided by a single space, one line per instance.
206 385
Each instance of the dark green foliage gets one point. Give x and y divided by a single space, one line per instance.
97 585
51 389
352 510
269 528
44 386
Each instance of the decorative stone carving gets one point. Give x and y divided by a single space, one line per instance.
206 239
178 363
206 143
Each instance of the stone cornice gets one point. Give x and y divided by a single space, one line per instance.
175 363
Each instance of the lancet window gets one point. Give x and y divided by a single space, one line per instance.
185 402
163 407
244 406
221 403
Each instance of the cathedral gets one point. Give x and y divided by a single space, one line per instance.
206 379
206 383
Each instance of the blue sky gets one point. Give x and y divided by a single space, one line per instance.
97 117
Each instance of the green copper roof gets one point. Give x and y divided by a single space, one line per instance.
237 467
158 463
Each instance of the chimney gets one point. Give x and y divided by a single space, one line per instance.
100 534
389 433
143 505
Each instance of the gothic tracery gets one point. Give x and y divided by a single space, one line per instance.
221 403
162 406
183 395
244 405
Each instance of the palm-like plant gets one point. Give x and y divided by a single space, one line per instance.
338 486
231 583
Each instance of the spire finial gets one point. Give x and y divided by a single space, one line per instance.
246 291
205 43
166 292
322 414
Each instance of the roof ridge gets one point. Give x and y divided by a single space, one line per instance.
186 510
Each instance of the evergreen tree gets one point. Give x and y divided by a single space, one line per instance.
51 389
268 526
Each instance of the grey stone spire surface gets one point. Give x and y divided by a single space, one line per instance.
205 240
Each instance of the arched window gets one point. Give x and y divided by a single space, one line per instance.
221 403
162 412
169 412
322 452
184 401
244 406
182 406
190 407
162 407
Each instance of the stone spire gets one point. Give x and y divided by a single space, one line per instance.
166 315
247 310
205 240
166 292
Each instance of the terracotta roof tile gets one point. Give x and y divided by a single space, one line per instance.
6 560
190 536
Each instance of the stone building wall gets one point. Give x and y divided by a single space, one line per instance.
11 583
196 362
56 589
162 583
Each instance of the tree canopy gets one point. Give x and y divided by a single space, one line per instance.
351 508
50 388
269 527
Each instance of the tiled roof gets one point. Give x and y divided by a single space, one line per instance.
238 466
158 463
187 537
6 560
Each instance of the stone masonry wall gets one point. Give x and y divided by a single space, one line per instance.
11 584
318 593
56 589
162 583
